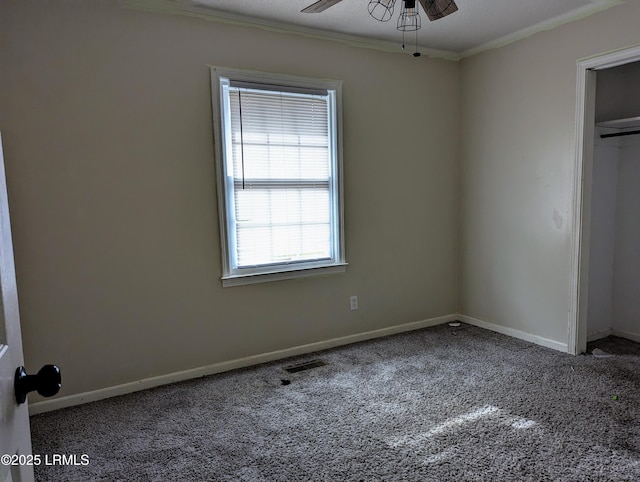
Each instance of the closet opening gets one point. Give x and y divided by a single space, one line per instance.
605 279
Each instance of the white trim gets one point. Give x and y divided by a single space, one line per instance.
209 14
614 58
576 341
598 335
538 340
95 395
240 280
585 105
232 275
171 7
571 16
625 334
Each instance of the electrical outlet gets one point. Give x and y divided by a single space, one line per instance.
353 303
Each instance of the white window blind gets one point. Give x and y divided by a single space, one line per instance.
280 168
280 173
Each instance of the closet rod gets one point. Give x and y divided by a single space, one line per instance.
619 134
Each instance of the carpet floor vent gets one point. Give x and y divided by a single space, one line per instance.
305 366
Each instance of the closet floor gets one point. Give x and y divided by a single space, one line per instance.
615 345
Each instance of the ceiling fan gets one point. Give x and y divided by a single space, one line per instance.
434 9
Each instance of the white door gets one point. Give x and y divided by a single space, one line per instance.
15 437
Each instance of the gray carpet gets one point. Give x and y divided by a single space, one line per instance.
436 404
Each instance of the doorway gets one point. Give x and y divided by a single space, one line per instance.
583 242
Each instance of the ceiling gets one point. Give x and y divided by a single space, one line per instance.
478 25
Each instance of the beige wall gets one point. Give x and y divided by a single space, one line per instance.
518 137
106 121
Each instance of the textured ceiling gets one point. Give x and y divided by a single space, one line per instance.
479 24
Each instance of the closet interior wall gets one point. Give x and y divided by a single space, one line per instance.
614 264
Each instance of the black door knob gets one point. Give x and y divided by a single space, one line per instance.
47 382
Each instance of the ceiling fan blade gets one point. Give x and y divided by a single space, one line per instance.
436 9
320 6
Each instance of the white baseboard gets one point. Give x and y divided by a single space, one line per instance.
95 395
538 340
599 335
625 334
613 332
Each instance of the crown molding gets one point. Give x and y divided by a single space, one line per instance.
182 8
186 8
577 14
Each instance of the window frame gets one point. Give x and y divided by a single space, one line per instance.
233 275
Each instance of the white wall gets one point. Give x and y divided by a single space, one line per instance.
602 237
626 283
518 133
614 283
618 95
106 121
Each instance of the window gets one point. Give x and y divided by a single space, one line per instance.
279 175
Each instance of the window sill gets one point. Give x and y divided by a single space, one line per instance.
242 279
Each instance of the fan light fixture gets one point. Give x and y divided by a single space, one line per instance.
381 10
409 20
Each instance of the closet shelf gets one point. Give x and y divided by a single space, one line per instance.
621 123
